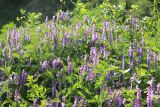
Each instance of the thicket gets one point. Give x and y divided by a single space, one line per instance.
106 56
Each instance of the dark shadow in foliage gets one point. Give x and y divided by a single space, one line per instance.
9 9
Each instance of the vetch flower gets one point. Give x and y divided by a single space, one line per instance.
36 74
16 95
154 57
44 66
52 36
56 63
106 25
69 65
91 76
139 52
75 101
36 102
63 101
11 55
16 79
55 104
94 56
19 46
94 37
137 101
109 102
65 39
130 52
23 77
118 101
82 69
150 93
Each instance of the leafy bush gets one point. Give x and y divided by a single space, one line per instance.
98 57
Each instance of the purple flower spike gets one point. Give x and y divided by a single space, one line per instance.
139 52
16 95
130 52
56 63
16 79
52 35
11 55
44 66
123 62
65 39
91 76
94 37
19 46
23 77
70 65
55 104
137 101
109 102
94 56
106 25
36 102
63 101
150 93
75 101
82 69
154 57
111 38
118 101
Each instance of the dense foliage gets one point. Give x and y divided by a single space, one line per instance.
100 57
9 9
